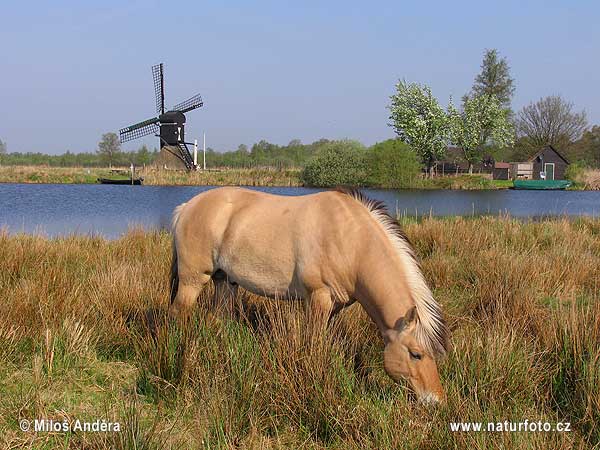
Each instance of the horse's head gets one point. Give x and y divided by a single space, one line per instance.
404 357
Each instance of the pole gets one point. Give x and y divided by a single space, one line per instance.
204 151
195 153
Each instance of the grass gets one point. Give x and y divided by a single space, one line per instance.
238 177
590 179
264 176
83 335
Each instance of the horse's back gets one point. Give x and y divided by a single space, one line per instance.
270 243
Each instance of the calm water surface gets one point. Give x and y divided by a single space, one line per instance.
59 209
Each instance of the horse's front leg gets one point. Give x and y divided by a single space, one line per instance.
320 308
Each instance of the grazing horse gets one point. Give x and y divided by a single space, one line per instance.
330 249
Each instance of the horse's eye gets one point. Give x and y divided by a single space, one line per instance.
414 355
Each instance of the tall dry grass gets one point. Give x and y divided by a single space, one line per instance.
590 179
260 176
84 334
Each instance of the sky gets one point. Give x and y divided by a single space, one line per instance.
71 71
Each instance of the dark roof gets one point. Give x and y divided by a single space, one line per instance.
551 148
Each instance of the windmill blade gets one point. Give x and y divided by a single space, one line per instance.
159 88
189 104
138 130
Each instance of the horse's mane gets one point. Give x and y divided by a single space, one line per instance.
431 331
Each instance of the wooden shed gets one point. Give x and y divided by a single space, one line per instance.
549 164
501 171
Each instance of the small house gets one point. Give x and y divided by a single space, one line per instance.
548 164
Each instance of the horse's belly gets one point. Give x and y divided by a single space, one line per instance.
268 285
269 280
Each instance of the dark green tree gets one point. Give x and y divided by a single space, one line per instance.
494 79
586 151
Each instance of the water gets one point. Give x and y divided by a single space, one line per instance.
59 209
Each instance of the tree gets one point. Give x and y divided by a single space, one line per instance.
392 164
420 122
242 149
550 120
143 156
109 147
494 79
482 118
3 149
586 150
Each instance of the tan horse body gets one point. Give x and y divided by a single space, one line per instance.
330 249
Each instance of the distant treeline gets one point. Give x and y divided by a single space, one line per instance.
262 153
584 152
68 159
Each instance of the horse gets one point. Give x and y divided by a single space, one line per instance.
328 249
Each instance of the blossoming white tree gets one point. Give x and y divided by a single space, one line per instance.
481 120
420 121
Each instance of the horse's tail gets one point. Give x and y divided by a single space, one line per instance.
174 279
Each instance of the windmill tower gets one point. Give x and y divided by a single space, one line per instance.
168 126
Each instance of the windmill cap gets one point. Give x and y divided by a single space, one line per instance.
172 116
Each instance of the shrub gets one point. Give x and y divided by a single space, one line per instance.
392 164
574 172
337 163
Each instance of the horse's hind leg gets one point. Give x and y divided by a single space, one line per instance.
187 294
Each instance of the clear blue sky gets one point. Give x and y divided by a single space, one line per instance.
273 70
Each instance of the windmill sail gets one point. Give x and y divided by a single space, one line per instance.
150 126
191 103
159 88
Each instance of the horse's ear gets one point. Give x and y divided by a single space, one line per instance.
408 319
411 315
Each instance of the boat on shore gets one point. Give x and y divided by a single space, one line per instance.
541 184
134 181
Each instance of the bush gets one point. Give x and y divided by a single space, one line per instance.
336 163
392 164
574 172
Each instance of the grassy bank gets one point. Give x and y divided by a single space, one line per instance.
83 336
589 179
220 177
224 177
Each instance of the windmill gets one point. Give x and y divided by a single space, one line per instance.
169 125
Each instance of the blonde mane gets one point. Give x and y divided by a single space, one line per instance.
431 331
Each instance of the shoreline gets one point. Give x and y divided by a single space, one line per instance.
243 177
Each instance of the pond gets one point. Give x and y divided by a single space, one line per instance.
59 209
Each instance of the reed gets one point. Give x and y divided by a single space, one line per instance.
84 335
